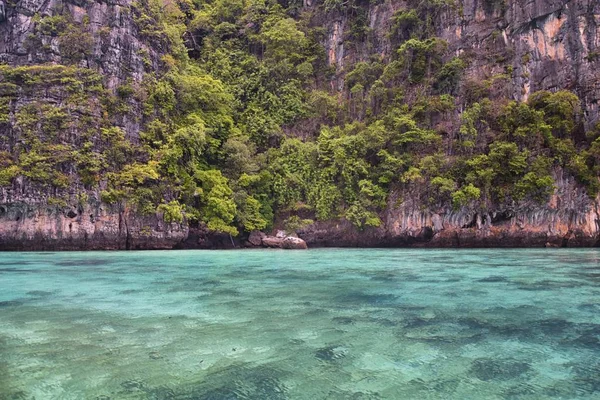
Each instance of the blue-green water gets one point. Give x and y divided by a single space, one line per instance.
317 324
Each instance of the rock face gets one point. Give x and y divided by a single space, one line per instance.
117 49
550 44
110 50
294 243
111 45
30 227
273 242
569 219
256 238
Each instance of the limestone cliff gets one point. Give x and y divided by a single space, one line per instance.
570 219
27 226
548 44
103 51
551 44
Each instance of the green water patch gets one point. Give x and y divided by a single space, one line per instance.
320 324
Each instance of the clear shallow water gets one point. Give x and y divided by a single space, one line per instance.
318 324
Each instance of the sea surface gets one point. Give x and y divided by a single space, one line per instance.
317 324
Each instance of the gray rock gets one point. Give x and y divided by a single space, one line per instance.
438 222
294 243
273 242
256 238
280 234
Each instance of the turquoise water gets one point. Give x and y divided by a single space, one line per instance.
317 324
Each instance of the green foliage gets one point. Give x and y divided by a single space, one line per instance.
295 223
82 198
162 23
562 110
442 184
250 215
472 122
405 24
56 202
246 118
364 74
538 187
135 174
361 217
75 43
281 38
324 106
172 211
449 76
421 57
465 196
291 167
53 25
196 91
524 125
371 197
507 159
4 109
217 207
419 20
125 91
8 173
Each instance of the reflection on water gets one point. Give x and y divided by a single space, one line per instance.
318 324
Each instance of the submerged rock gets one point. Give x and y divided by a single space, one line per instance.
487 369
331 353
239 382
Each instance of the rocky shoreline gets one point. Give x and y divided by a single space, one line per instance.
130 232
569 219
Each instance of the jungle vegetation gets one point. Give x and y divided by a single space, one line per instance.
241 123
